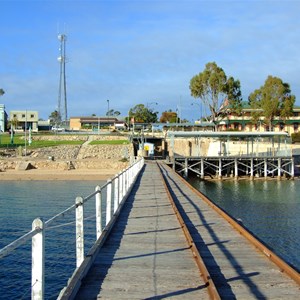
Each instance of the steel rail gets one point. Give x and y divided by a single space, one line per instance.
279 262
209 284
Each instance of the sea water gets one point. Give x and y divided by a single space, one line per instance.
268 208
20 203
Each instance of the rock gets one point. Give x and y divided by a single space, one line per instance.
24 165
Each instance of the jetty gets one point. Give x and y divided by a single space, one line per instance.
157 237
169 241
232 154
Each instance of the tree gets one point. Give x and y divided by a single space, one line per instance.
13 122
234 95
213 88
55 118
2 92
169 117
272 99
142 114
113 112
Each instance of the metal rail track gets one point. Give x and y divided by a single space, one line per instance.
205 276
269 254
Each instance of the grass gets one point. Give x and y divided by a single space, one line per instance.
5 142
18 141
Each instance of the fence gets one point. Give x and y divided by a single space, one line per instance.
112 194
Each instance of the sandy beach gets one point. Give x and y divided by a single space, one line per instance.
42 174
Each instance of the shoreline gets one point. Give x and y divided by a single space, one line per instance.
54 175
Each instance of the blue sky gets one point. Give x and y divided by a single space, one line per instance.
133 52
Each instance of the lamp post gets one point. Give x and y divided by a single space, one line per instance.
107 107
98 124
108 114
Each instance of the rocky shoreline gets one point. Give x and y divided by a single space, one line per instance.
70 161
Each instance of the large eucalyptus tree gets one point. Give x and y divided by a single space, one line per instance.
214 89
273 99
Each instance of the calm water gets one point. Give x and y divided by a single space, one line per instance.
20 204
270 209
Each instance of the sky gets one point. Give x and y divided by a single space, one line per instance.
141 52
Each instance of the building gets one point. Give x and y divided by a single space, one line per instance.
22 119
94 123
3 118
244 122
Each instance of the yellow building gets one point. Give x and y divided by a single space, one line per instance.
244 122
94 123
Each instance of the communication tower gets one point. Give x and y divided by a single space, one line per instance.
62 90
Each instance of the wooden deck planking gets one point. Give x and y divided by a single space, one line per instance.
238 270
146 255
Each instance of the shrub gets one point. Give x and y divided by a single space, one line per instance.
295 137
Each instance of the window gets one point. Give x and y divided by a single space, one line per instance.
23 115
296 126
31 116
14 115
281 126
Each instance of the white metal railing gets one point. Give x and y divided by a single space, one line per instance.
117 190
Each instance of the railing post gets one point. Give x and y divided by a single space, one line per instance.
127 180
124 184
38 261
131 175
120 186
108 201
98 212
116 193
79 232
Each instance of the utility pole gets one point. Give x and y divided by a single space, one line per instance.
62 90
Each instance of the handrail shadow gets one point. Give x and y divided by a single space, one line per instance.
218 277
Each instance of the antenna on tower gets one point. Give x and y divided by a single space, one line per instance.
62 90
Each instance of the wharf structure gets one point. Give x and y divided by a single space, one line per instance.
140 251
232 154
204 254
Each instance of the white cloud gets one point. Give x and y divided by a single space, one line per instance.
135 51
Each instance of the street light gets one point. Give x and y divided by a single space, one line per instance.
108 108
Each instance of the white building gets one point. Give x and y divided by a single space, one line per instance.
24 119
3 118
